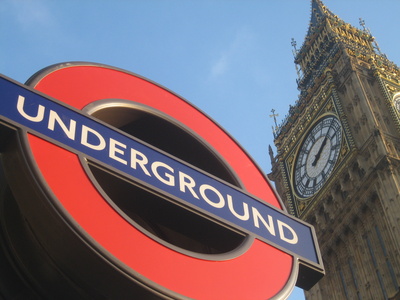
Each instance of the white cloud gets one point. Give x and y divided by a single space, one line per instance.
234 53
40 27
31 14
220 66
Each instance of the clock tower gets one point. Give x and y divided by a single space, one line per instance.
338 158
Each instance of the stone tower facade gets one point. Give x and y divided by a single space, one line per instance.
338 160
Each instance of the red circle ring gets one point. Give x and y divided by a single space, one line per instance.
262 272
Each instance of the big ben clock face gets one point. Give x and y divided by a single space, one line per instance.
317 156
397 103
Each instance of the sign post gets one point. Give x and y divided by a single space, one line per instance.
85 132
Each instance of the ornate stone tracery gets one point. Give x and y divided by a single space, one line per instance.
356 213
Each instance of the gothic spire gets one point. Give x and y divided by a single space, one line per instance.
319 12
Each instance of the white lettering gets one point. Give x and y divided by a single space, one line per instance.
113 150
190 184
256 216
154 167
135 155
20 106
205 187
294 238
245 215
53 117
165 173
84 139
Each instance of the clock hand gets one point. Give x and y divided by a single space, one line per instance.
314 163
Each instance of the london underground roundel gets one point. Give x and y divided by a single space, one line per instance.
125 190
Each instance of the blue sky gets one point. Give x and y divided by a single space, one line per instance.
232 59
